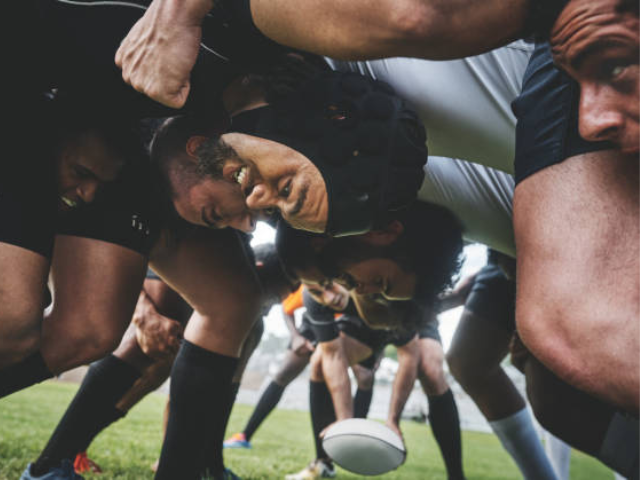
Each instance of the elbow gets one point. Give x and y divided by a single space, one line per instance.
419 23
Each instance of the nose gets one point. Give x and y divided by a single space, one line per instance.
87 191
261 197
243 222
599 119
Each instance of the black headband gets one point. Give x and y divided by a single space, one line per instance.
369 147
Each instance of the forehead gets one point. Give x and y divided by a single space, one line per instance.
586 26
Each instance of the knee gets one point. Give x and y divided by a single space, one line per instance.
82 347
365 379
20 335
432 376
316 368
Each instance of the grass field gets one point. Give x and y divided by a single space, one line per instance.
283 445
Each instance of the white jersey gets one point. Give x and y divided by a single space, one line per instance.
465 104
479 196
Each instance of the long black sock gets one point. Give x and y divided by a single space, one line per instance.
362 402
445 424
322 413
268 401
215 460
200 386
103 386
23 374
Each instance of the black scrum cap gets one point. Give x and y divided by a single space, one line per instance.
368 145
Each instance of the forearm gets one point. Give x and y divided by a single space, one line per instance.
404 381
434 29
335 372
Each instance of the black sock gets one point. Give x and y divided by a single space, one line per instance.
268 401
445 424
23 374
322 413
215 460
200 386
103 386
362 402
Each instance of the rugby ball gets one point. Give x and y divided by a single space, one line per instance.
364 447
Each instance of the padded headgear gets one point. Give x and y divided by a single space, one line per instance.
368 145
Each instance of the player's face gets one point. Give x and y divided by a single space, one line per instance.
598 46
378 276
329 294
84 165
215 204
272 176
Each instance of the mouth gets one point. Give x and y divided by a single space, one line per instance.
242 177
68 202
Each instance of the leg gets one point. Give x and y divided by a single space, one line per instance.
362 399
477 348
22 296
211 272
443 411
96 286
576 228
293 365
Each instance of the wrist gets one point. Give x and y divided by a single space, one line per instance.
189 12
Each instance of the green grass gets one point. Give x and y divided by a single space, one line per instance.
283 445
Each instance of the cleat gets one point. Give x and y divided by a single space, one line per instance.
63 472
83 464
313 471
237 440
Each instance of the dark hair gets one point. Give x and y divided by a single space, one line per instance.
628 6
286 74
271 271
429 245
296 248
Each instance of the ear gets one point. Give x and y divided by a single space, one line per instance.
193 143
384 236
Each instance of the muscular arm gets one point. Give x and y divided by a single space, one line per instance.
408 359
363 29
335 371
159 52
299 344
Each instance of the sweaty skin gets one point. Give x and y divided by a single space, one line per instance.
274 176
598 46
159 52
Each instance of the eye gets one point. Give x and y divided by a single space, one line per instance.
286 190
81 172
613 69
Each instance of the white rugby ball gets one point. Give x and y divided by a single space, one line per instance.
364 447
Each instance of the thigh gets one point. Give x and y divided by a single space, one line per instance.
22 300
356 350
212 272
576 227
96 286
478 345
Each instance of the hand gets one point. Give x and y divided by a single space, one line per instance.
158 336
301 346
159 52
325 429
396 428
